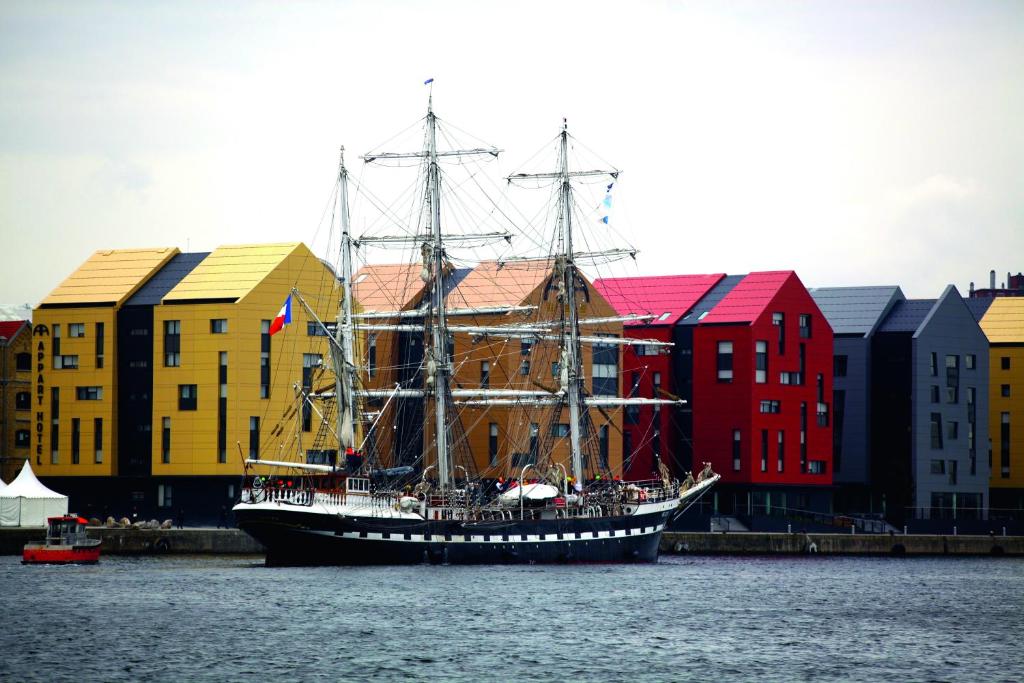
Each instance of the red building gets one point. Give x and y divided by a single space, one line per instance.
654 433
752 357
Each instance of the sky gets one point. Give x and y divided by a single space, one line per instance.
856 143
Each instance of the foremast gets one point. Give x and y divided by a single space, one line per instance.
342 351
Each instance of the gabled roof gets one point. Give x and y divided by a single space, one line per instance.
12 328
388 287
907 316
978 307
495 284
668 297
153 292
855 310
701 309
747 300
230 273
109 277
1003 323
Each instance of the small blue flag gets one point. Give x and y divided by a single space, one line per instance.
607 203
428 81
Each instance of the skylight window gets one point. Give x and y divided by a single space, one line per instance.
664 316
701 316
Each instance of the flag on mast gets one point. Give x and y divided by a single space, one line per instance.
284 316
606 205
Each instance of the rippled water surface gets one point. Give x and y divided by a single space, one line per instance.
706 619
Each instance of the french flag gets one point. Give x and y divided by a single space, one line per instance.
284 316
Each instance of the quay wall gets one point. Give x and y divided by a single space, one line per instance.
147 541
734 543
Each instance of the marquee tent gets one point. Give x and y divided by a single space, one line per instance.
26 502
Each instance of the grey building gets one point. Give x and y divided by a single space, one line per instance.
929 407
855 314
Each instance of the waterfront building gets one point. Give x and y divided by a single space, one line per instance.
752 357
929 399
653 434
496 440
161 376
855 314
1012 286
1003 324
16 402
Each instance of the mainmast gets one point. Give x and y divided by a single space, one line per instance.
571 373
437 363
341 351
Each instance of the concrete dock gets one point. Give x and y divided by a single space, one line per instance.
189 541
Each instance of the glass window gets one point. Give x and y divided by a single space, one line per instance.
492 444
485 374
76 330
254 437
89 393
725 361
172 343
187 396
165 441
23 401
805 326
219 326
779 320
970 361
1004 390
761 362
1004 362
839 364
265 359
736 449
605 369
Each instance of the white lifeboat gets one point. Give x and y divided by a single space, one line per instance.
530 492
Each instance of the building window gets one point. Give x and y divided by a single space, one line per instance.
935 393
525 347
764 450
89 393
803 437
56 344
760 362
165 442
100 341
371 360
952 394
1004 390
816 467
736 449
656 442
655 386
492 444
22 438
560 430
222 408
76 330
602 447
534 441
485 374
822 414
605 369
782 450
1004 362
172 343
310 363
938 467
933 364
725 361
1004 445
556 369
54 425
219 326
97 439
839 364
65 362
970 361
264 359
633 411
771 407
316 329
76 440
187 396
254 437
524 367
936 430
779 321
164 497
805 326
803 365
23 362
23 401
952 430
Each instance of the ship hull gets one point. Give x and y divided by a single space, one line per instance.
293 537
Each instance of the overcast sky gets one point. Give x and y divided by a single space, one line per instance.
854 142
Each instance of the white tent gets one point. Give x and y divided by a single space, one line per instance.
26 502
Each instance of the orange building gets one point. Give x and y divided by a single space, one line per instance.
16 402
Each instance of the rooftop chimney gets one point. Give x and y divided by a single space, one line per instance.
991 279
971 290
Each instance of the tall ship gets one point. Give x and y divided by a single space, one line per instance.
396 473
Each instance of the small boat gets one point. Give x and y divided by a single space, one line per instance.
66 543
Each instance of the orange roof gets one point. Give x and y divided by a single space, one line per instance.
1003 323
494 284
109 276
390 287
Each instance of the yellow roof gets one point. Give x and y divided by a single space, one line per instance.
1003 322
109 277
231 272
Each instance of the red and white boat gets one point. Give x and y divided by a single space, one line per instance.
66 543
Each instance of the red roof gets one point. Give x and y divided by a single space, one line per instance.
668 297
749 298
9 328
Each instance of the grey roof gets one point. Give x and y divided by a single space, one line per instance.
978 307
711 299
907 316
854 310
152 293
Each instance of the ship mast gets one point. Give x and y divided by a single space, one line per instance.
437 364
571 370
341 351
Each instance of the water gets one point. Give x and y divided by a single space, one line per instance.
685 618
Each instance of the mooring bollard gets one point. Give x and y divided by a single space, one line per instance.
789 529
954 531
853 529
904 529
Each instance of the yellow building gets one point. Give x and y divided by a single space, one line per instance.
1003 324
494 441
157 408
16 402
